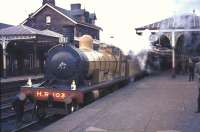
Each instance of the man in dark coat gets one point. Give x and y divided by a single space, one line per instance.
197 71
18 106
191 69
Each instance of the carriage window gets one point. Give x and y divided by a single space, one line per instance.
48 19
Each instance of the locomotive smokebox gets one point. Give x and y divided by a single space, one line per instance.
65 63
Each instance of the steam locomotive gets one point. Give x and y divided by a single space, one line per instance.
76 76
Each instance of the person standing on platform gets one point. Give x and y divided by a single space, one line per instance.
197 71
18 107
191 69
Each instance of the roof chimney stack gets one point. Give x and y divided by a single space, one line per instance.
75 6
51 2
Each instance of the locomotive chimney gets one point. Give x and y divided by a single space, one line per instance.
86 42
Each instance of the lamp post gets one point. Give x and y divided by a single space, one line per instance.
173 56
4 45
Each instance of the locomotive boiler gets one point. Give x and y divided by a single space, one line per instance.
75 76
67 63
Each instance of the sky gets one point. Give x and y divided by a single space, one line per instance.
118 18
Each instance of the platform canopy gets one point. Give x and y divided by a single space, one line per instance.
179 23
178 35
30 41
22 32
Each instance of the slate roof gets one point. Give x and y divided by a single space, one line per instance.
25 30
186 21
70 14
66 12
3 25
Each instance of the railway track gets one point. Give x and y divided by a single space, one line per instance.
5 106
25 126
8 97
7 112
11 114
9 124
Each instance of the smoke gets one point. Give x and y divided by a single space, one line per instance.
144 60
142 54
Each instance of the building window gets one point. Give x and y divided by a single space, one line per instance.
48 19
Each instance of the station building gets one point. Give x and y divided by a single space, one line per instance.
24 47
71 23
179 34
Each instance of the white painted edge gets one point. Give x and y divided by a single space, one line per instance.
171 30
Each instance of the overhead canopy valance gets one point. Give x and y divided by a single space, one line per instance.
179 22
22 32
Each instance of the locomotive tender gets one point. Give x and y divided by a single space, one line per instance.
74 76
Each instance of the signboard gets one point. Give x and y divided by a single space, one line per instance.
44 94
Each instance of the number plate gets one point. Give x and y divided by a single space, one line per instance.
46 94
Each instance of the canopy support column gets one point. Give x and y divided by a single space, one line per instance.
4 46
35 57
173 56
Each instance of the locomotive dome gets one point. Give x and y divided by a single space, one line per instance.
86 42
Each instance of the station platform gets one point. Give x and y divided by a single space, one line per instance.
154 104
13 84
21 78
